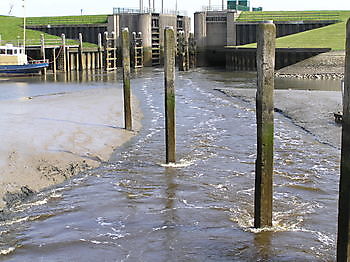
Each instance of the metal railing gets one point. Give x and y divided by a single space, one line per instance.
121 10
213 8
37 42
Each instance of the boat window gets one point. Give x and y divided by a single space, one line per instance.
2 51
15 51
10 52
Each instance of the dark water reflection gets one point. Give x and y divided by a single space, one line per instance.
134 208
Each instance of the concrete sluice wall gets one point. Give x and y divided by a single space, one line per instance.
244 59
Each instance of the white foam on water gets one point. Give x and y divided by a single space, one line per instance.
180 164
19 220
8 251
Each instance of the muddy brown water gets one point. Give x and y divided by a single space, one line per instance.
135 208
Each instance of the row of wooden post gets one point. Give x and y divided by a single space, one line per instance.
263 200
264 162
169 75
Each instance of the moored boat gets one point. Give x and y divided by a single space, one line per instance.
14 61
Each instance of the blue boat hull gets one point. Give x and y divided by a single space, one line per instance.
28 69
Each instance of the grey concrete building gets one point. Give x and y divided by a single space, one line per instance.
151 25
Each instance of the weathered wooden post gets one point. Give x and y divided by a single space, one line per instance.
42 50
192 51
100 52
81 59
169 73
126 78
265 128
343 241
182 52
105 46
63 36
54 65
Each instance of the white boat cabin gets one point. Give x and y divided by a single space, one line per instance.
12 55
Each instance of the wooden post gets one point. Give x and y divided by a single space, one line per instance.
169 73
42 50
100 52
126 78
105 45
54 65
63 36
81 59
266 36
343 242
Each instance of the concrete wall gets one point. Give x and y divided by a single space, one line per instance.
164 21
145 27
244 59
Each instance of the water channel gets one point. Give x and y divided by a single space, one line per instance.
135 208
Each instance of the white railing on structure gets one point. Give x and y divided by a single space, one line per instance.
121 10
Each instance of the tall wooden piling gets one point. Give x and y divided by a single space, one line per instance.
265 128
100 52
42 50
54 64
169 72
64 53
126 78
343 241
81 59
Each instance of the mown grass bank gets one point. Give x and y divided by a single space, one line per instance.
11 29
332 36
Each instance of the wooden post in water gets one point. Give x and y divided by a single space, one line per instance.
81 59
63 36
126 78
343 241
169 73
42 50
266 36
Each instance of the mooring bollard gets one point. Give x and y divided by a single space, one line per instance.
266 36
343 241
169 73
126 78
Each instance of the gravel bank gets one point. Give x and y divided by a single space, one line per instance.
328 65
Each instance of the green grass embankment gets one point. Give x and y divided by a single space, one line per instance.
11 31
332 36
68 20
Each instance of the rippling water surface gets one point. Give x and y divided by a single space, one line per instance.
135 208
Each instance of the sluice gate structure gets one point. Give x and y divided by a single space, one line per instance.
145 24
221 35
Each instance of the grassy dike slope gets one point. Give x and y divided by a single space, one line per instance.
332 36
11 28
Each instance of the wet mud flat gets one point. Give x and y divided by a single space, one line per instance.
47 139
313 111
